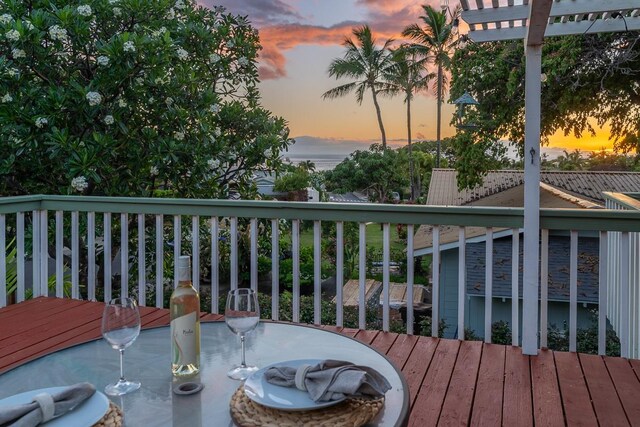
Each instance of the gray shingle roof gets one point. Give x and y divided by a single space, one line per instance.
588 185
558 268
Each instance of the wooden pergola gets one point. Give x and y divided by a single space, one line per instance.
533 20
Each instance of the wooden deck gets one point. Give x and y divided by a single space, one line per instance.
450 382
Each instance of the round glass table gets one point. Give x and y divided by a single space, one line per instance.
148 361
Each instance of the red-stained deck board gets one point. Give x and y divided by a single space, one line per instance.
431 396
417 364
627 385
20 323
456 410
350 332
401 349
25 307
516 407
384 341
366 337
573 388
603 393
547 405
487 404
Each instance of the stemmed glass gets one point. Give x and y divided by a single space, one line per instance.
242 314
121 327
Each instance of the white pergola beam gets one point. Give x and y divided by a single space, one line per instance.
559 8
560 29
537 22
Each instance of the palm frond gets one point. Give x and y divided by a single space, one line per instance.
340 91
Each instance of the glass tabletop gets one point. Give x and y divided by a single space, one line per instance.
148 361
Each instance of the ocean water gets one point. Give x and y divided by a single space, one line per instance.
323 161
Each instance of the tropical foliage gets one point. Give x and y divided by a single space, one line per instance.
129 97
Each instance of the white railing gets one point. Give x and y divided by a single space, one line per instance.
79 235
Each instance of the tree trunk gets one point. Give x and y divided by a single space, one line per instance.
375 102
439 113
411 186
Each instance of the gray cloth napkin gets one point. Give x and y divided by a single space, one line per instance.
46 406
330 380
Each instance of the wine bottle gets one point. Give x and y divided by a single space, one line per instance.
185 323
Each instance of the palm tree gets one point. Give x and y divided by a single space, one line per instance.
408 76
436 38
364 62
307 165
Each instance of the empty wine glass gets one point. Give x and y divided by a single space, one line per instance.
242 314
120 327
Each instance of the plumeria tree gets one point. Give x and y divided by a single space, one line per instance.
131 97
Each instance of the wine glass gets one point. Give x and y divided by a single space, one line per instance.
242 314
120 327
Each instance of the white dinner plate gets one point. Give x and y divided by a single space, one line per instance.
86 414
264 393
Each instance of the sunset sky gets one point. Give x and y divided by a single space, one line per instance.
301 37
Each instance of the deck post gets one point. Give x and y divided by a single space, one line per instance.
531 199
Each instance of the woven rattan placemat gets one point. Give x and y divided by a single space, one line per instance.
352 412
113 417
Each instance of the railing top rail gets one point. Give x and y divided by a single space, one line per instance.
475 216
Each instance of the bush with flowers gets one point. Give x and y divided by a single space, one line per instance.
131 98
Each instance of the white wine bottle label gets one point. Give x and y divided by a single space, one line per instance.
183 334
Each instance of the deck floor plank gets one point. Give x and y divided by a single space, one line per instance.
547 406
487 404
605 400
450 382
517 407
573 388
434 387
458 402
417 364
384 341
627 385
401 349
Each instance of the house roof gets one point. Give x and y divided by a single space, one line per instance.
373 290
353 197
558 284
585 185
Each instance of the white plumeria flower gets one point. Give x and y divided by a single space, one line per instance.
12 35
231 44
108 120
28 25
139 81
18 53
129 46
243 61
102 60
215 108
122 103
58 33
84 10
154 171
152 100
79 183
13 72
41 122
213 164
5 19
169 101
171 14
113 1
7 98
180 5
178 135
94 98
214 57
217 132
117 11
182 54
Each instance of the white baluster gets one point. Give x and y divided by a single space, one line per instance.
20 255
107 257
386 260
362 276
3 261
435 282
254 254
339 273
544 287
59 254
462 280
91 256
159 261
75 254
410 274
624 293
488 285
295 246
602 294
35 256
234 253
317 271
573 291
44 253
275 269
195 251
515 284
215 265
124 255
177 246
142 264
